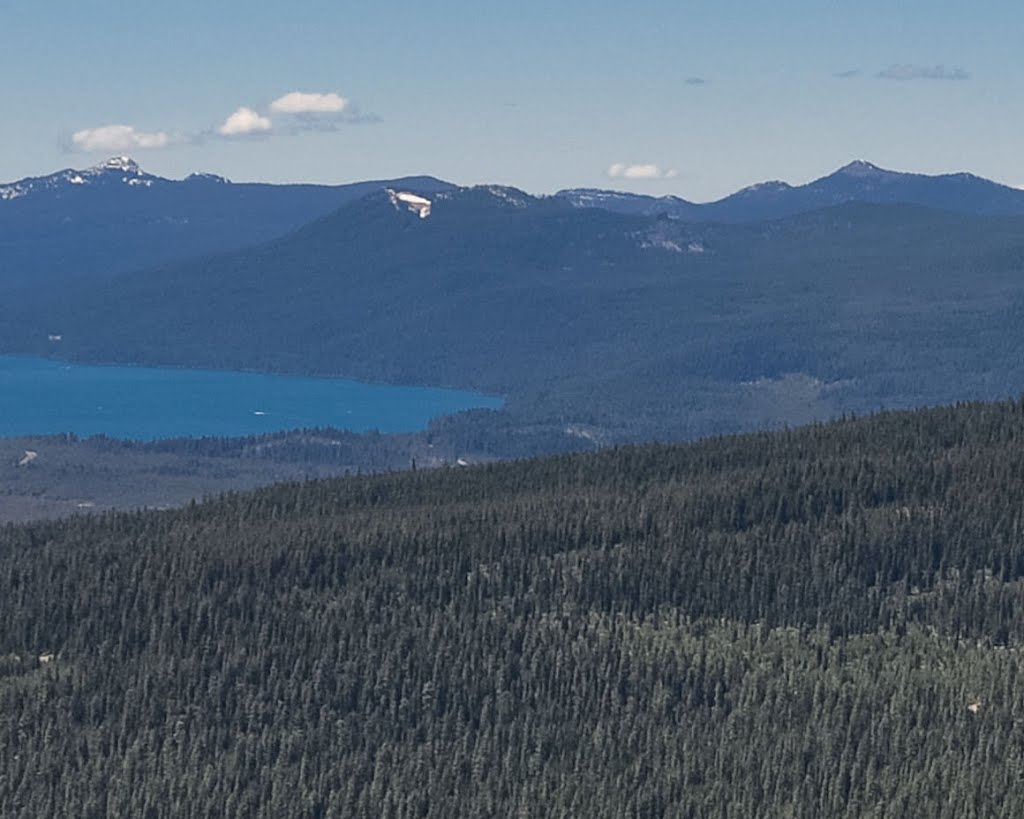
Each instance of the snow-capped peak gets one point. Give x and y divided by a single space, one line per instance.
116 170
124 164
414 202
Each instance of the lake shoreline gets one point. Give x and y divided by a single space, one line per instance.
48 395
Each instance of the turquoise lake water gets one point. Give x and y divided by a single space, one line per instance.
40 397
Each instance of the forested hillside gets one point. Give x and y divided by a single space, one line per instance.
639 327
92 224
816 623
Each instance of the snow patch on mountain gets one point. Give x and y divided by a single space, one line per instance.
125 164
594 197
860 168
117 169
771 186
415 203
661 244
512 196
207 177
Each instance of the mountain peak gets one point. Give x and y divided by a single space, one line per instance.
124 164
860 167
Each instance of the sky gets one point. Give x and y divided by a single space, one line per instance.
696 98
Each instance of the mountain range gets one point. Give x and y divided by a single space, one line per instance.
858 181
115 218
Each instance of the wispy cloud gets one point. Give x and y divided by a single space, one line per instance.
695 81
907 71
114 138
620 170
304 123
244 122
845 75
301 102
305 111
292 113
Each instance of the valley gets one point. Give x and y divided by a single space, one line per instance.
632 326
53 476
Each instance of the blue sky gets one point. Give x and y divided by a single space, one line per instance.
692 98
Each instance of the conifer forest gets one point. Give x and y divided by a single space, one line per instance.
820 622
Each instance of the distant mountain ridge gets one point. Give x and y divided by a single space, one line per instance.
105 173
115 217
859 181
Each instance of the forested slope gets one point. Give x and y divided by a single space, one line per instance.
823 622
82 227
644 328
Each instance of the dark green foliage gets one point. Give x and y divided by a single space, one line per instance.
823 622
640 327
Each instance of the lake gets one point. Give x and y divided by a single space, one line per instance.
40 397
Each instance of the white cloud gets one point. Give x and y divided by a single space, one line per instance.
620 170
300 112
115 138
299 102
245 121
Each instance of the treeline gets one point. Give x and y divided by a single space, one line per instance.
819 622
476 434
